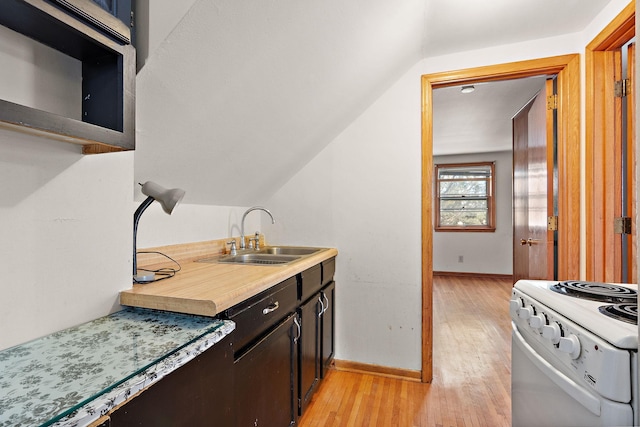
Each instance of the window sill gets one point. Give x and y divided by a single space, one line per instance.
471 229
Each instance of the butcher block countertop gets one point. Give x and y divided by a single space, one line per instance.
205 288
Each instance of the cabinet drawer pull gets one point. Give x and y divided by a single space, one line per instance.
326 306
321 312
272 307
297 323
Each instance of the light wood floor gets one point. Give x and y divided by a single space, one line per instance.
471 364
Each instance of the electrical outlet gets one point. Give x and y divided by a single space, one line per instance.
460 258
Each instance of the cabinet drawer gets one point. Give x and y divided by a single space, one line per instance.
311 282
328 270
259 313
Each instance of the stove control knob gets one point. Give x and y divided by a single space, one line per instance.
570 345
526 312
552 332
515 305
537 321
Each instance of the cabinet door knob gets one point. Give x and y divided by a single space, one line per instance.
271 308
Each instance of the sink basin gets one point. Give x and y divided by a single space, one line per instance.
287 250
254 258
269 255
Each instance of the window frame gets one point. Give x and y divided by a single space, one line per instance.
491 200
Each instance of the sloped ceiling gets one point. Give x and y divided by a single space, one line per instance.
480 121
242 94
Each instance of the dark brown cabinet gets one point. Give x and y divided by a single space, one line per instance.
265 357
327 327
264 392
317 339
309 350
196 394
263 374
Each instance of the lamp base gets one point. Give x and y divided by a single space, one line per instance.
144 276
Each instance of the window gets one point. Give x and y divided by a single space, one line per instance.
465 197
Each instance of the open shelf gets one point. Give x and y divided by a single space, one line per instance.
108 78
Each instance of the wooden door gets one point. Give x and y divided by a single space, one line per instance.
533 248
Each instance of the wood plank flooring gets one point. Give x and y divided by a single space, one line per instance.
471 364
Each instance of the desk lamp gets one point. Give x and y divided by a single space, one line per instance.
168 199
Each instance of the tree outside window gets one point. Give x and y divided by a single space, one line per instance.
465 197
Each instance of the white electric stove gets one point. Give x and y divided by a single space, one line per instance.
574 354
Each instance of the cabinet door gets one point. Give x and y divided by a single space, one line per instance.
196 394
327 327
309 349
264 389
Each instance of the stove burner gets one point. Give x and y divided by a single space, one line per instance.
605 292
625 312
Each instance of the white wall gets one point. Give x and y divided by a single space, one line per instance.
489 253
65 218
361 194
65 240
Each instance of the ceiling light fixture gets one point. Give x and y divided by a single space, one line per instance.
467 89
168 199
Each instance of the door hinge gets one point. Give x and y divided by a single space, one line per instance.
552 102
622 88
552 223
622 225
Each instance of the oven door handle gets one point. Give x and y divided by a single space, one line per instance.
570 387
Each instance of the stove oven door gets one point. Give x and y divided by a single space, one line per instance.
542 396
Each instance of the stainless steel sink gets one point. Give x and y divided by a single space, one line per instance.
288 250
269 255
258 258
253 258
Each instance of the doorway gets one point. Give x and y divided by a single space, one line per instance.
567 68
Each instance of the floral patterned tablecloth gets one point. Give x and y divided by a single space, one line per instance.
72 377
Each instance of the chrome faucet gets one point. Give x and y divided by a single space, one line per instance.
255 208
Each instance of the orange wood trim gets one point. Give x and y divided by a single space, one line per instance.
602 157
427 230
507 71
568 69
569 170
473 275
619 31
550 259
631 155
385 371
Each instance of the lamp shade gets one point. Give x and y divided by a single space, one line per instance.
167 198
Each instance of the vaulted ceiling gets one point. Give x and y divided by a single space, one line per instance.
241 94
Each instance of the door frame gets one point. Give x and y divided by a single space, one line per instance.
601 139
567 68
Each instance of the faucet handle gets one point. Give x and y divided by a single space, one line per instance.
254 242
233 250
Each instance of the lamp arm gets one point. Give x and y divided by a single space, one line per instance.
136 218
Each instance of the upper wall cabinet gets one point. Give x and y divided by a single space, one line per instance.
99 39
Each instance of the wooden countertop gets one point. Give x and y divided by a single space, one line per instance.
209 288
